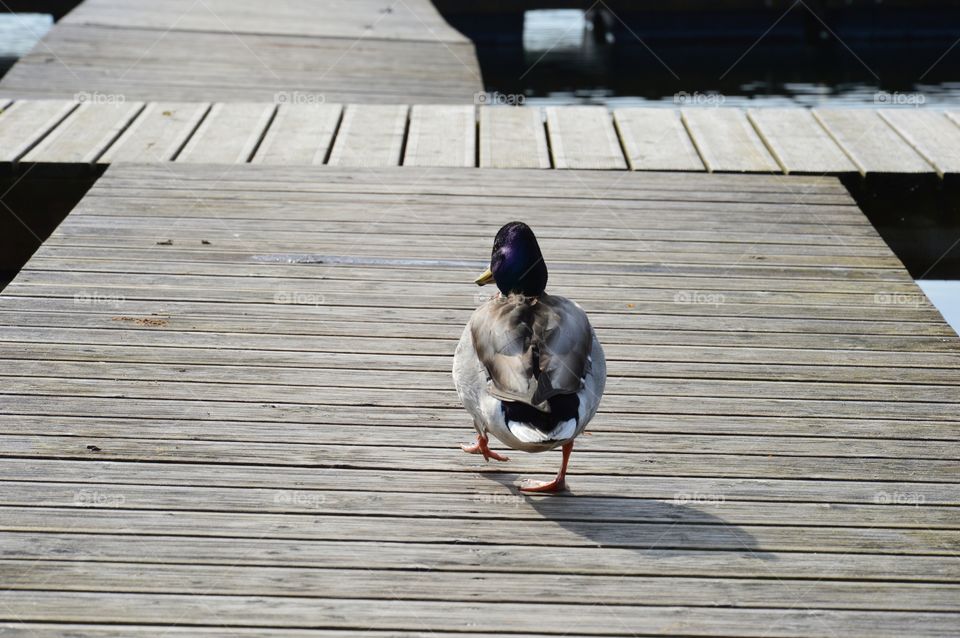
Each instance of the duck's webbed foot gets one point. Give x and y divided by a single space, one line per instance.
556 485
559 483
481 447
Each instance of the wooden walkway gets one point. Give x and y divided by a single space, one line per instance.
226 410
794 141
369 51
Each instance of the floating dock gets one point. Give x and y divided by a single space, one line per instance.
65 133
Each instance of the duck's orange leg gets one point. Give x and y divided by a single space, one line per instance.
559 483
481 447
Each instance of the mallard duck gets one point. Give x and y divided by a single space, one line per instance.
528 368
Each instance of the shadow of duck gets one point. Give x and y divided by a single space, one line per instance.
642 524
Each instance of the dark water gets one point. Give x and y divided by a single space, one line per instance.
563 59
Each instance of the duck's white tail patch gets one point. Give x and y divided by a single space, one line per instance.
529 434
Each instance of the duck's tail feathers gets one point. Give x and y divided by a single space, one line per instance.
532 425
529 434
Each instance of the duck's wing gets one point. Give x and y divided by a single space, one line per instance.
532 348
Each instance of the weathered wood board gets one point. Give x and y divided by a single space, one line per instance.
870 141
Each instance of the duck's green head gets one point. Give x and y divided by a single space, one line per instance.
516 264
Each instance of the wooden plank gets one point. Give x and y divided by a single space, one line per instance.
96 474
163 375
767 188
229 134
84 136
186 262
512 137
930 133
646 400
370 135
870 142
656 140
296 501
92 630
533 558
727 141
674 229
798 141
300 134
27 122
574 589
442 136
560 247
449 531
158 134
583 137
676 463
255 611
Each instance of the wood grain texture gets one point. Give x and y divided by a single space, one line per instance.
158 134
441 135
247 373
413 19
288 612
229 134
931 133
583 137
727 141
26 122
300 134
370 135
870 142
512 137
656 140
799 142
242 50
86 134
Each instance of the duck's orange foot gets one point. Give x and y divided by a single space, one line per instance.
556 485
559 483
481 447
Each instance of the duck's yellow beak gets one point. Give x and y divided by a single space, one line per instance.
485 278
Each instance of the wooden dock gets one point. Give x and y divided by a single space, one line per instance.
227 411
369 51
63 133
